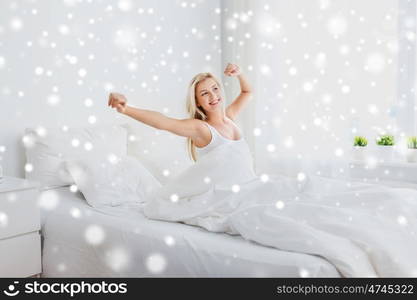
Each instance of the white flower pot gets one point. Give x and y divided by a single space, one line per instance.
385 153
411 155
359 153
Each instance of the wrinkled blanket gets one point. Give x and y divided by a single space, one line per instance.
364 230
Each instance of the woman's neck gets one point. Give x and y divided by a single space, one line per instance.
216 118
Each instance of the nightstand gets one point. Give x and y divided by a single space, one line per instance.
20 244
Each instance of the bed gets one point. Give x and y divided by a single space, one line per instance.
243 232
81 241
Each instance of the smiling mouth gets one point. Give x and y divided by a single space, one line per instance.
214 102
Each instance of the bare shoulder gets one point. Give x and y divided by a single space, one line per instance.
197 125
191 128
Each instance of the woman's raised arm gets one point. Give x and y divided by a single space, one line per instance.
192 128
245 91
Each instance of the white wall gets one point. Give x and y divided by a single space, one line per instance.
301 58
324 71
56 55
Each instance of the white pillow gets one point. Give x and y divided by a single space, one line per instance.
163 153
107 182
47 149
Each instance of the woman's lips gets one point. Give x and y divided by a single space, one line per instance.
215 102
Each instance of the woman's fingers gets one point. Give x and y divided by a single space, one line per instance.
117 101
231 69
109 101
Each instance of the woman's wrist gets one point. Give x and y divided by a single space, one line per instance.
126 110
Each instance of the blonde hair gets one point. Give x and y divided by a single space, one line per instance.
194 111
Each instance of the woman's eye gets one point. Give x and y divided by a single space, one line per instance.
216 88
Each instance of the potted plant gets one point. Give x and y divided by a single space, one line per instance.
412 149
386 147
359 144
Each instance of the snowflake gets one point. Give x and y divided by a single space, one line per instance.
308 86
39 71
301 176
373 109
70 2
28 167
94 234
16 24
4 220
156 263
117 259
63 29
345 89
62 267
289 142
71 59
320 60
317 121
75 212
257 131
88 146
231 24
82 72
126 38
48 200
402 220
169 240
28 141
92 119
235 188
375 63
113 159
174 198
279 204
270 148
264 177
324 4
292 71
338 152
73 188
53 99
304 273
75 143
337 26
88 102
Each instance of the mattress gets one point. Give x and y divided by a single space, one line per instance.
81 241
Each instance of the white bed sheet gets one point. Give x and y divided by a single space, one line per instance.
130 245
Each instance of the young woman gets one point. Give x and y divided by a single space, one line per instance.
364 230
210 122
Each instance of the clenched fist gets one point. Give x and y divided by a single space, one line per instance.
232 70
117 101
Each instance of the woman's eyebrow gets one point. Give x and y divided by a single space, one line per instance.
204 90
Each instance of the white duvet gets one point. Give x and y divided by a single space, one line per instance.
363 230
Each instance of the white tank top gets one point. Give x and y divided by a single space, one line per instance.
233 153
216 140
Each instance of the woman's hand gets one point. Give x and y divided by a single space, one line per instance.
232 70
117 101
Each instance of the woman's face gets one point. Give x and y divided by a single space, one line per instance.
208 95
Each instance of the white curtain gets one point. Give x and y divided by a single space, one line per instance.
323 71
